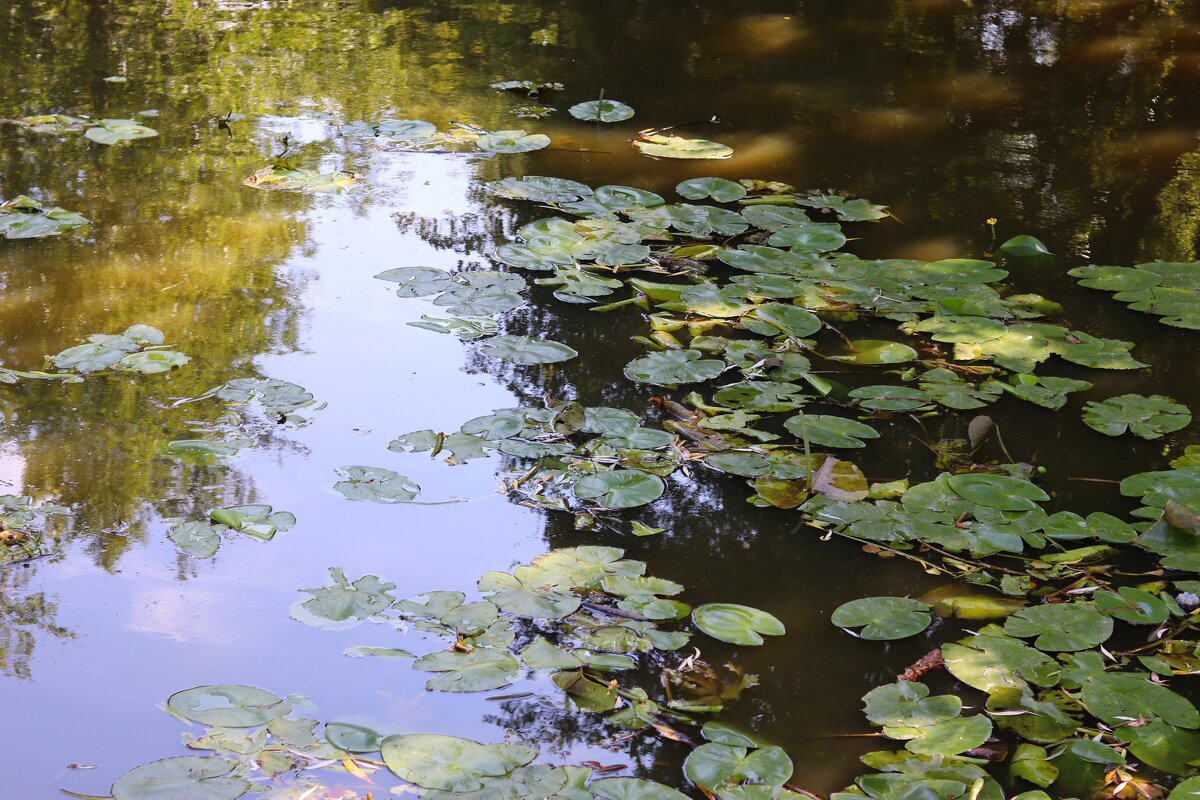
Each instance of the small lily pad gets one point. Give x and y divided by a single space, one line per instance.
601 111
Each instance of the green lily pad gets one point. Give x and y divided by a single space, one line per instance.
633 789
196 538
375 485
1121 697
718 189
303 180
184 777
225 706
516 597
601 111
736 624
883 618
1147 417
480 670
620 488
149 362
435 761
348 602
907 704
1133 605
115 131
672 367
771 319
1061 627
26 218
539 189
1001 492
951 737
992 660
417 281
1023 246
830 431
526 350
712 765
405 130
874 352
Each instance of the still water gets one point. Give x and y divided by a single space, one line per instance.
1073 120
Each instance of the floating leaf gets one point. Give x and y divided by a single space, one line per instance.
883 618
114 131
515 141
149 362
1063 626
480 670
1148 417
719 189
736 624
601 111
348 602
435 761
1001 492
620 488
672 367
287 179
226 706
830 431
873 352
1121 697
633 789
405 130
713 765
1022 247
196 539
26 218
951 737
190 777
992 660
660 146
907 704
526 350
375 485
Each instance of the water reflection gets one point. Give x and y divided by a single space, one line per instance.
1071 119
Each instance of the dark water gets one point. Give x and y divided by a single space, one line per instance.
1073 121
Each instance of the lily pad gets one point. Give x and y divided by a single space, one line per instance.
1001 492
376 485
952 737
718 189
830 431
184 777
26 218
1121 697
1061 627
348 602
883 618
480 670
713 765
620 488
226 706
115 131
601 111
435 761
672 367
658 145
633 789
736 624
1147 417
515 141
526 350
907 704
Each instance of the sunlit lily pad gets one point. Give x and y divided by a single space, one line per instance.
601 111
348 602
26 218
114 131
405 130
719 189
883 618
736 624
1147 417
303 180
1062 626
713 765
873 352
515 141
480 670
952 737
907 704
830 431
660 146
633 789
1119 698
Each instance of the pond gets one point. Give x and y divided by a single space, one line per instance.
1073 121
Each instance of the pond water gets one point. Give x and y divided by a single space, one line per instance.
1072 120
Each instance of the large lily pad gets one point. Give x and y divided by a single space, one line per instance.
26 218
1147 417
181 778
672 367
620 488
514 141
1061 627
376 485
830 431
713 765
526 350
736 624
480 670
1120 697
226 706
435 761
662 146
883 618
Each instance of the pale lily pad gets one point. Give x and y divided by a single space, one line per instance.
225 706
149 362
301 180
181 778
480 670
348 602
883 618
620 488
515 141
660 146
1147 417
526 350
196 538
601 111
736 624
376 485
952 737
540 189
114 131
417 281
633 789
406 130
435 761
26 218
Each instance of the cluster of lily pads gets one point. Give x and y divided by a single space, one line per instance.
585 613
415 134
1166 289
203 539
254 409
256 743
140 349
26 218
101 131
